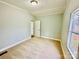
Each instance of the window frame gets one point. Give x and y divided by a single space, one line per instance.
70 32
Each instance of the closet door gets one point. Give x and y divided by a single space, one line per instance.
37 28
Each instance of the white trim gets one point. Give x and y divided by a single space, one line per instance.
59 10
51 38
6 48
71 52
68 43
75 11
69 33
47 12
63 50
56 40
11 5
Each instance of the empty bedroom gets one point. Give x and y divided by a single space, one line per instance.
39 29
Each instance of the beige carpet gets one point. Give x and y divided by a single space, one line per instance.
36 48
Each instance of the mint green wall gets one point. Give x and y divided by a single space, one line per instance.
14 25
72 5
51 25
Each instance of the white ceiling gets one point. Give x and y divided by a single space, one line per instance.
44 7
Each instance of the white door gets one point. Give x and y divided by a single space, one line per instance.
37 28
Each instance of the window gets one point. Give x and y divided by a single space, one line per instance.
73 35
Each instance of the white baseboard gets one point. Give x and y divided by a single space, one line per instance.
56 40
51 38
6 48
63 50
